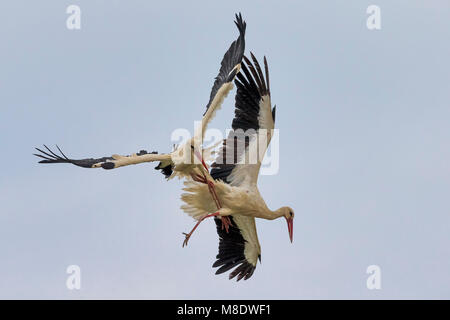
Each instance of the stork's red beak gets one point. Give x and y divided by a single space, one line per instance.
290 224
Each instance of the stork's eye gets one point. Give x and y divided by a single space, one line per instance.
290 213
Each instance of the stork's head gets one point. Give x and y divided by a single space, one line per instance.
288 214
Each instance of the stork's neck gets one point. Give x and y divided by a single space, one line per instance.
270 215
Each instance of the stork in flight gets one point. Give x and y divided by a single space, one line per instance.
235 177
181 161
228 192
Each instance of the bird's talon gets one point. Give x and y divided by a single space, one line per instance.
226 223
185 242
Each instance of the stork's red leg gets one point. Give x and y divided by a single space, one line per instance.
199 178
225 220
199 156
226 223
202 179
212 190
188 235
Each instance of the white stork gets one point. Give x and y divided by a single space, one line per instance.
181 161
235 180
176 163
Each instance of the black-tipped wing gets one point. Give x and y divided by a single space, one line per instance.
50 157
115 161
230 66
240 158
238 249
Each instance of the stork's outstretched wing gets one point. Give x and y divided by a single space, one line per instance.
112 162
230 66
240 247
239 160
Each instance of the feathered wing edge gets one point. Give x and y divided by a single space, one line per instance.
235 251
107 163
231 59
230 66
252 88
51 157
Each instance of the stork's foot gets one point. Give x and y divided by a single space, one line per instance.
187 235
226 223
199 178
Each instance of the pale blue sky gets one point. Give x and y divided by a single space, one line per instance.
365 158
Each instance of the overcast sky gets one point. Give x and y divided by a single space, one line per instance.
364 147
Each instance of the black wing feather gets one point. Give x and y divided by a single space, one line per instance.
230 60
51 157
250 90
231 252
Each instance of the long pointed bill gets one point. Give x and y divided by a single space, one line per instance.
290 225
